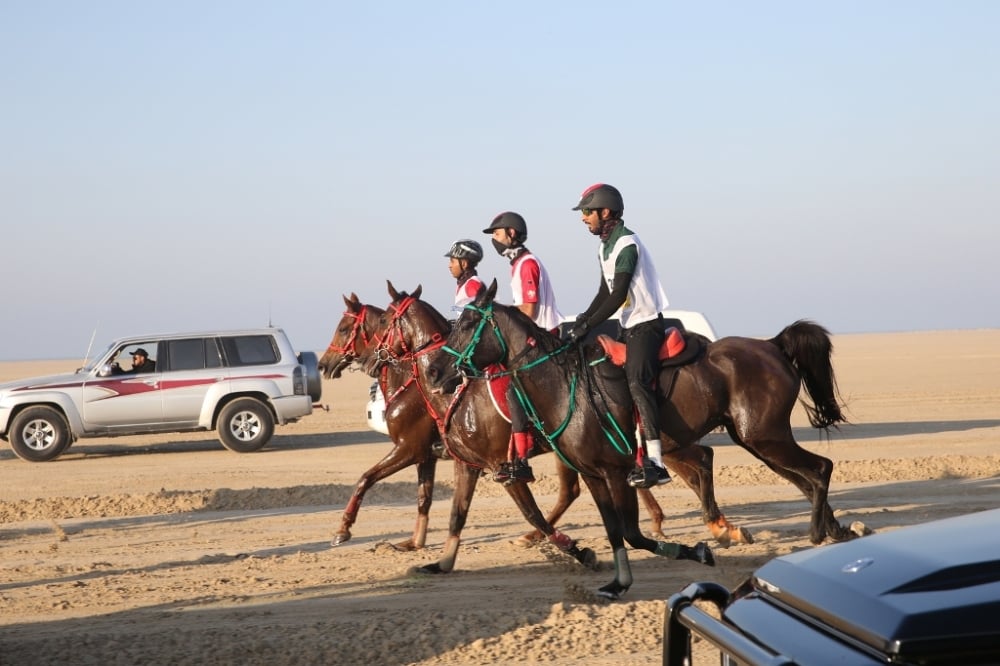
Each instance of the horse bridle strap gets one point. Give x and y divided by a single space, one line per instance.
349 350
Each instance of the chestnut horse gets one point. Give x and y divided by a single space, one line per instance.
475 434
747 386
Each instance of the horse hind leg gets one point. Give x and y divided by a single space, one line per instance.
810 473
694 464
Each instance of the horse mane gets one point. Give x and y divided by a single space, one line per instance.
439 319
548 341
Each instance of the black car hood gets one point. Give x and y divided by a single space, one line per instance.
917 592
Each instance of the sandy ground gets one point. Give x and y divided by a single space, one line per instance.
172 550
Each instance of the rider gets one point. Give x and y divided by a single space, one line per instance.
533 295
629 287
465 255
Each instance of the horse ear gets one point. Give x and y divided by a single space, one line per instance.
351 302
417 291
488 295
393 294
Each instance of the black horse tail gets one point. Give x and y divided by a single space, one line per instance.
807 346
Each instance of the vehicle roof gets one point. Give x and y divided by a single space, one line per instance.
200 334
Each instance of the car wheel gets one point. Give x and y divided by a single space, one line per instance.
245 425
39 434
314 380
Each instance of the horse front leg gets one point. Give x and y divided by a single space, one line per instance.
694 464
406 452
525 501
466 478
569 490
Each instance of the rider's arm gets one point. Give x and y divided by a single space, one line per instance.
611 302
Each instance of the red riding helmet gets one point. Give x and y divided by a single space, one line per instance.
601 196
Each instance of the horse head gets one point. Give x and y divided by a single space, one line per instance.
473 343
410 327
353 338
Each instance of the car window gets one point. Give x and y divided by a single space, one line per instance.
250 350
186 354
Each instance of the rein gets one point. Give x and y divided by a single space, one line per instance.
464 364
385 356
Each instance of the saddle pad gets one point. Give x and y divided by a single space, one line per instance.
673 344
498 390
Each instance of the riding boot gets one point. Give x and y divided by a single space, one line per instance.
518 469
648 474
654 452
523 442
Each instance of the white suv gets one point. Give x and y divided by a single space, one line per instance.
239 382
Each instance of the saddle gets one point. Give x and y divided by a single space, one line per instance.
671 351
678 349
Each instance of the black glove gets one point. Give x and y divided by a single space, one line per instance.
577 332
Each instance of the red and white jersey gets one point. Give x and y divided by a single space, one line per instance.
467 291
530 283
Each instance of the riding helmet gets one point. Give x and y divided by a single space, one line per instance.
509 220
466 249
601 196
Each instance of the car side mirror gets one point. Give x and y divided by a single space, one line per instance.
105 370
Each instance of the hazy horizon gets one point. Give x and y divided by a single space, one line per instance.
196 166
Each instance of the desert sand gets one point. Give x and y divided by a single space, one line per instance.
171 550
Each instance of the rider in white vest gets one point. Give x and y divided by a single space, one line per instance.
630 289
534 296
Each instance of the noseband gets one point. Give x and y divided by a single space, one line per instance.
350 350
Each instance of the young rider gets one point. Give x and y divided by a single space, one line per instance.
465 255
534 296
631 289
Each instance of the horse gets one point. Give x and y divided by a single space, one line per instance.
417 332
365 335
415 435
747 386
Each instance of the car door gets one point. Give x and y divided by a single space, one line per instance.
193 371
125 401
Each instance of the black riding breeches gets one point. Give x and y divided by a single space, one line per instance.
642 367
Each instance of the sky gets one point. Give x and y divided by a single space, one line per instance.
190 165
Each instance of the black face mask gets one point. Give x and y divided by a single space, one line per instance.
498 246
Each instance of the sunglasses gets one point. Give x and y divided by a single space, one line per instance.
588 211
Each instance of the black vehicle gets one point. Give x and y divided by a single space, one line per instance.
926 594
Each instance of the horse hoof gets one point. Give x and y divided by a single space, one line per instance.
406 546
703 554
587 558
340 537
434 568
613 591
745 535
860 529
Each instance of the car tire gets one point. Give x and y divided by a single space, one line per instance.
314 380
39 434
245 425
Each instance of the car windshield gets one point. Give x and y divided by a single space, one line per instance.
93 361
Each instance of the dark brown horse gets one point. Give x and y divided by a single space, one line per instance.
415 434
476 435
747 386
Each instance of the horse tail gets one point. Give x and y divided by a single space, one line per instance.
807 346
